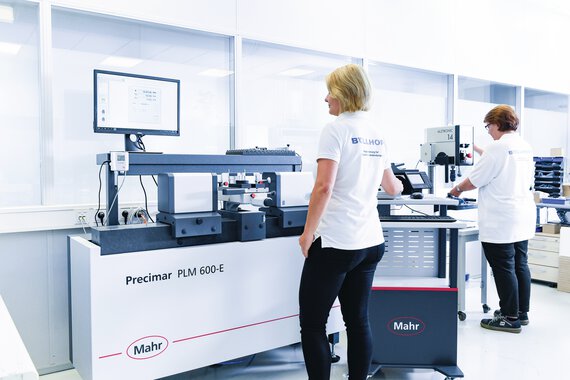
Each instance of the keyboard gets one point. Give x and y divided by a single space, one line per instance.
261 152
417 218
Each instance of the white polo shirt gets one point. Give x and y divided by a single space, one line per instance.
504 176
350 220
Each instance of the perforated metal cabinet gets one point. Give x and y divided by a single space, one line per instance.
410 252
543 257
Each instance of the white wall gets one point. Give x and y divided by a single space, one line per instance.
413 33
509 41
218 16
335 26
514 42
519 42
543 128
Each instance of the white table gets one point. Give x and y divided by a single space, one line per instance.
466 235
15 362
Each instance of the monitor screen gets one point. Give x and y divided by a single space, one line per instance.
136 104
415 179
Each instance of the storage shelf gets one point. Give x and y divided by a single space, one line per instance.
548 175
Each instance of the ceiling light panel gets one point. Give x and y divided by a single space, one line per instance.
6 14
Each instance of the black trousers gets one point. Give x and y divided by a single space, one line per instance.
509 263
348 274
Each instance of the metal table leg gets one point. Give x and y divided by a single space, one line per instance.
486 307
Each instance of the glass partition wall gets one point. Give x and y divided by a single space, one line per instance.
83 42
20 145
282 98
278 100
546 124
406 102
477 97
546 121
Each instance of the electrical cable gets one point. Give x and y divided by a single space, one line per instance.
115 198
83 222
154 179
139 143
145 199
413 210
99 193
137 215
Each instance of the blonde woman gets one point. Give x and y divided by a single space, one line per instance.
342 240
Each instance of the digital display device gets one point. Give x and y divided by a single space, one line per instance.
135 105
413 180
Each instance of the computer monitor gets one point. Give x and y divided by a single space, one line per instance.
135 105
414 181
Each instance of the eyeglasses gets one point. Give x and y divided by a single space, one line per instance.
487 126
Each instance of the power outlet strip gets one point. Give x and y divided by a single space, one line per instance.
86 217
83 217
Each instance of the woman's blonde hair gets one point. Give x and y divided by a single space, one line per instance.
351 87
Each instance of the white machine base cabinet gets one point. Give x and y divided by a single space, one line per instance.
150 314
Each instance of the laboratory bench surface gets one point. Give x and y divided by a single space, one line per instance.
540 351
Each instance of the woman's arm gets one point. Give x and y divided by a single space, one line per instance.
465 185
478 149
390 184
320 196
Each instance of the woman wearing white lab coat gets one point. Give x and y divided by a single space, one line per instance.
504 176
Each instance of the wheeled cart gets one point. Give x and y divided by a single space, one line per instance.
413 307
415 327
467 235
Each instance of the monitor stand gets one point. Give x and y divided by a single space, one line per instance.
133 143
137 145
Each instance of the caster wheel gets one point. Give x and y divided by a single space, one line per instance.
462 316
486 308
335 358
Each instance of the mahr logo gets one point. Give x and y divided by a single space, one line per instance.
147 347
406 326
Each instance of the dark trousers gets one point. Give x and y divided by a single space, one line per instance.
348 274
509 263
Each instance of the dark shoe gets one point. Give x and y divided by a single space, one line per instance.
501 323
523 317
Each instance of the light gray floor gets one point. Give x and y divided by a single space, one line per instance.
540 351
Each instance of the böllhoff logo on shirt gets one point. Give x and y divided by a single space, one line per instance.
147 347
406 326
366 141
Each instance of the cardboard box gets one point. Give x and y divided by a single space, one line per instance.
564 274
557 152
551 228
538 195
566 189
